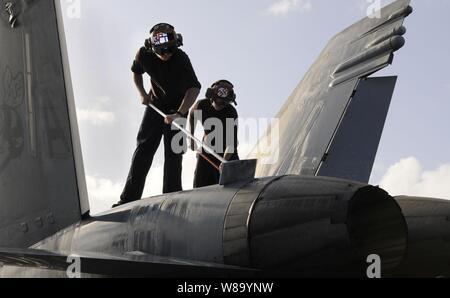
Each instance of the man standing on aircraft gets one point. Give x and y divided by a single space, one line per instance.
219 119
174 89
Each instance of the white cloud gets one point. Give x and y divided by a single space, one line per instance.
103 193
95 117
407 177
282 7
95 114
102 100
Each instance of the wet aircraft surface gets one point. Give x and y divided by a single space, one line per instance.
310 214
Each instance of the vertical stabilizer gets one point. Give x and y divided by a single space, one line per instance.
42 183
311 117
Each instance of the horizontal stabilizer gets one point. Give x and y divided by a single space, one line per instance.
353 149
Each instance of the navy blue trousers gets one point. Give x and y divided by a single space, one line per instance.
152 130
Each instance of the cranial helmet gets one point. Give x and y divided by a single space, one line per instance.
222 89
163 39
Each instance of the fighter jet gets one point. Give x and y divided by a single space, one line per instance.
308 213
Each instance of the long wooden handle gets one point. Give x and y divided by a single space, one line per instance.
209 161
199 143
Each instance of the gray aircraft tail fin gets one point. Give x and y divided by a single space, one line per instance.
42 183
353 149
318 131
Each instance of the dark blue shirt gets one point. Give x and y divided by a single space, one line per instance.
169 79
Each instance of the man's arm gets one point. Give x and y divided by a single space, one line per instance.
139 82
138 71
228 155
189 98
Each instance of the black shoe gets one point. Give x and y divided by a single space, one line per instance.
86 216
120 203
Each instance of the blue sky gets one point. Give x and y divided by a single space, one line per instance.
264 47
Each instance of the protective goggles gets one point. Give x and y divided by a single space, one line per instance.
164 50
